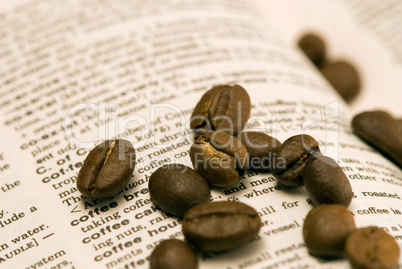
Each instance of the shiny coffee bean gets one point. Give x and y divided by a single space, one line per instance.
326 183
175 188
261 149
372 248
291 158
107 169
326 228
219 157
382 131
219 226
313 46
344 78
173 254
223 107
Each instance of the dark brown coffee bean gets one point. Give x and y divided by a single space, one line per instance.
107 169
326 228
314 47
291 158
344 78
219 226
372 248
261 149
381 131
175 188
219 157
326 183
173 254
223 107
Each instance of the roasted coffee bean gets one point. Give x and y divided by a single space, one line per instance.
219 226
382 131
344 78
314 47
219 157
326 228
175 188
173 254
261 149
372 248
223 107
291 158
326 183
107 169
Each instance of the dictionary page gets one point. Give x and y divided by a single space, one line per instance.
74 73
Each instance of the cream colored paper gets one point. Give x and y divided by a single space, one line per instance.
76 73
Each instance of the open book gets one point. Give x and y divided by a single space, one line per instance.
74 73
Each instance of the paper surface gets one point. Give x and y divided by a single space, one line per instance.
76 73
366 33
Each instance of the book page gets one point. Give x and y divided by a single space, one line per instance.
75 73
366 33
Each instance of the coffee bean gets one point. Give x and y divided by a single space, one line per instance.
326 183
372 248
314 47
291 158
326 228
261 149
175 188
344 78
219 157
219 226
173 254
223 107
107 169
381 131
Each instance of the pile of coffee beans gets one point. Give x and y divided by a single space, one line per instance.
220 160
341 74
220 156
